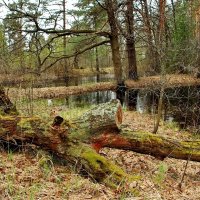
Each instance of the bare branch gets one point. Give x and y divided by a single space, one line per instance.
101 5
60 33
75 54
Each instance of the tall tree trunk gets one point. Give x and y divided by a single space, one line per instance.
161 27
160 108
66 77
152 54
162 56
20 42
130 46
197 20
98 73
115 48
130 41
114 39
97 53
174 14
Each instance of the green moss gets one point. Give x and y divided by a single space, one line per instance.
28 125
2 130
190 144
104 170
7 117
24 124
142 136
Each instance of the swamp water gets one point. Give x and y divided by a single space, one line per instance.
181 104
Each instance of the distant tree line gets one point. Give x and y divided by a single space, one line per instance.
140 37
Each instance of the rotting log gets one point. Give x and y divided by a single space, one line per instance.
97 128
151 144
60 137
55 139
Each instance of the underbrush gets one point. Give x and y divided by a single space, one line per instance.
35 174
60 107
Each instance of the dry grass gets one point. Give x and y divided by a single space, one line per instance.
16 77
170 80
25 177
160 179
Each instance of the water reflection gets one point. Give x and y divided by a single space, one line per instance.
179 104
91 98
74 81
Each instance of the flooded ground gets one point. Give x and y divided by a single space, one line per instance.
180 104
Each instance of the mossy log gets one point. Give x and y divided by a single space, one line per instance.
99 127
151 144
60 137
105 116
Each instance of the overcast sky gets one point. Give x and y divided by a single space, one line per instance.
3 9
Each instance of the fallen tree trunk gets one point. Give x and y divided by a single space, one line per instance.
100 127
62 138
61 92
33 130
151 144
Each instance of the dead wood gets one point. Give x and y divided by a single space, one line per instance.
62 138
99 127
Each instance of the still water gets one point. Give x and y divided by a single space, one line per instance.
179 104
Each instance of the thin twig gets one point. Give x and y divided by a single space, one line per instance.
184 172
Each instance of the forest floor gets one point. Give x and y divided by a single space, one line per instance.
33 174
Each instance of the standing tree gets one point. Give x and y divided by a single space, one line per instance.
130 41
14 23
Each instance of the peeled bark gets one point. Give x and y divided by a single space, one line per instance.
151 144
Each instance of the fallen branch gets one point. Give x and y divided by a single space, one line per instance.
151 144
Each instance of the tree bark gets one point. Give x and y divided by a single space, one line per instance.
114 39
66 140
106 116
130 41
152 54
151 144
6 106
